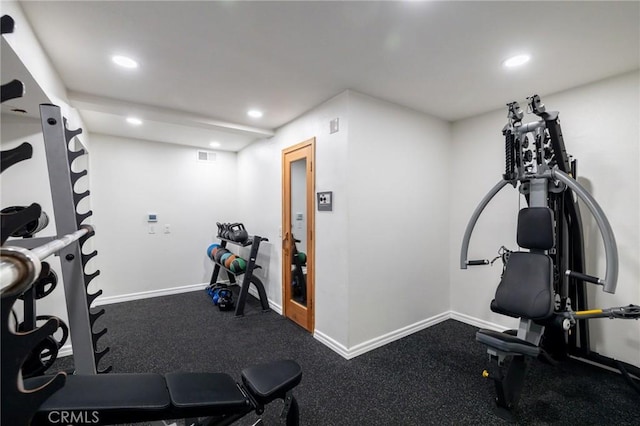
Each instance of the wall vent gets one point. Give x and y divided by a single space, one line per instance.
206 156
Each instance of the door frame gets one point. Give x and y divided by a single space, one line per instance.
286 229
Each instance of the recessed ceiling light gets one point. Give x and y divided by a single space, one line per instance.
124 62
134 121
516 61
254 113
214 144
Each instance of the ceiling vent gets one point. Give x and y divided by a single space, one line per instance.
206 156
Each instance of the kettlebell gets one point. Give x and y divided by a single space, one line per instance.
238 233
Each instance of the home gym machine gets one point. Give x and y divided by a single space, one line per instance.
87 397
545 286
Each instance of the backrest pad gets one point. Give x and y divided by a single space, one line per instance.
536 228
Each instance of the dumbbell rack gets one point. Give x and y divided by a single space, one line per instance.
249 278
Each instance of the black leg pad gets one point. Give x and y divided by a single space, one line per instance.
270 381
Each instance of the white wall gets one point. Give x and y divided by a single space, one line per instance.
260 208
377 171
398 218
600 124
131 178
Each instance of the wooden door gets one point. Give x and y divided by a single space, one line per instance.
298 223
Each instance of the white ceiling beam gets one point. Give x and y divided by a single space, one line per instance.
84 101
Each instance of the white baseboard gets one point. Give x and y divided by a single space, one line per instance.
147 294
379 341
376 342
273 305
476 322
335 346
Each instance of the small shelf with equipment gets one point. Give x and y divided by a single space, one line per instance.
236 266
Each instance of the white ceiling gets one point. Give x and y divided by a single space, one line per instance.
32 96
209 62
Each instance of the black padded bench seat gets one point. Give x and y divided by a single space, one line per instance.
107 391
128 398
507 343
208 393
267 384
112 397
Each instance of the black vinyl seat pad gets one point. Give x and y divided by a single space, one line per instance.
507 343
106 392
205 390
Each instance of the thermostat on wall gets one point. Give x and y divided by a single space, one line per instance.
152 217
324 201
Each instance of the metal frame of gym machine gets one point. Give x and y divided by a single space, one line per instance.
547 177
57 139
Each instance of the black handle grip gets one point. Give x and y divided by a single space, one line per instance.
477 262
584 277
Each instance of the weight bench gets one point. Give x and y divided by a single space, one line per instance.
125 398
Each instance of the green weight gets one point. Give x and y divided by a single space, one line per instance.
238 265
302 257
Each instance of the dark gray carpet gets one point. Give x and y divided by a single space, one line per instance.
430 377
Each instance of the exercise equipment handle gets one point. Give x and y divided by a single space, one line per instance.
610 248
474 218
478 262
20 267
584 277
